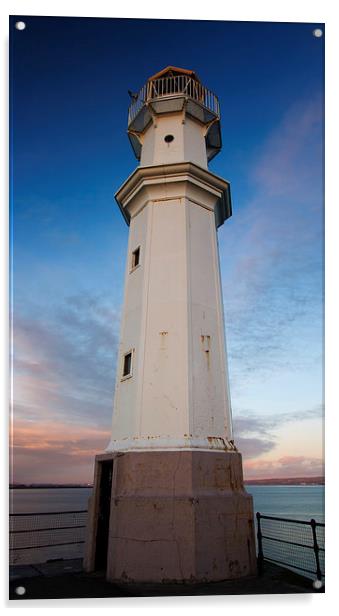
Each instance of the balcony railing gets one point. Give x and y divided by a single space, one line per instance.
171 87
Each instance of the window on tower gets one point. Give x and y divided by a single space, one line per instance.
127 365
135 258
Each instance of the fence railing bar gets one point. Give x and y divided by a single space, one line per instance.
49 545
300 545
260 550
47 513
39 530
308 522
316 548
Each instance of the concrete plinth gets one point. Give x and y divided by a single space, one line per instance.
175 516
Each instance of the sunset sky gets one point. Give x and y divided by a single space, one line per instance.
70 153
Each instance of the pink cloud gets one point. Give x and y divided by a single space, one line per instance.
287 466
55 452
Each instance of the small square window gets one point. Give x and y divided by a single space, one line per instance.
135 258
127 366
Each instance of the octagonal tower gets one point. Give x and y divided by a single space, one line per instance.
169 502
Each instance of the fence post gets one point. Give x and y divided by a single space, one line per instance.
316 548
260 550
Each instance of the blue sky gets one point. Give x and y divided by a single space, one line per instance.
70 153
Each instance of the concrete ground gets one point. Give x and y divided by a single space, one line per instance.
66 579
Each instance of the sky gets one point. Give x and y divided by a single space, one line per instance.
69 81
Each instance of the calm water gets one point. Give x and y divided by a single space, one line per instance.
297 502
49 499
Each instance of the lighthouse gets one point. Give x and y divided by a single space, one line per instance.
168 501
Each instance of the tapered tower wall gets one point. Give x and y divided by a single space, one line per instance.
177 393
169 503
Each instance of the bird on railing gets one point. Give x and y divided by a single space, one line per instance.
133 95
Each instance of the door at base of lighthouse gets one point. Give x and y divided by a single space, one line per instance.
103 515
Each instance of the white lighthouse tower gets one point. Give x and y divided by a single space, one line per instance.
169 502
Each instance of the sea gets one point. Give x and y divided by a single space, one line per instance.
301 502
48 535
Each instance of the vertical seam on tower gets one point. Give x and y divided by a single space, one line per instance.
228 392
146 313
190 388
121 339
222 338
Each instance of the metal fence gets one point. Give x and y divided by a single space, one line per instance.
39 537
295 544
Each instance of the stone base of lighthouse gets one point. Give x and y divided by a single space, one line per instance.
170 516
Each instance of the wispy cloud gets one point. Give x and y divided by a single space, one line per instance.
256 435
284 166
64 361
64 370
271 253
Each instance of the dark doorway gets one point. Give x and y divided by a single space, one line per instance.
103 514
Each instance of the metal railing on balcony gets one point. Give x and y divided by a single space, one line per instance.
295 544
173 86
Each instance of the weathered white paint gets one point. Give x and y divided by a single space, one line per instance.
178 394
188 142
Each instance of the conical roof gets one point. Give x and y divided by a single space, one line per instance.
174 70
